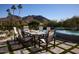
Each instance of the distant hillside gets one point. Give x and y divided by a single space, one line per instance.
11 18
36 18
72 22
27 18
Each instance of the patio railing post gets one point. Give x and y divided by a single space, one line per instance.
54 37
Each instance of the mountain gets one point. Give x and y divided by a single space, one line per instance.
35 18
11 18
72 22
27 18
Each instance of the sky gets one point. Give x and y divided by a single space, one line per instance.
51 11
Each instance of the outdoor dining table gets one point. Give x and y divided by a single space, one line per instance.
36 33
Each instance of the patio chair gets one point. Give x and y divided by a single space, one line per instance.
46 39
24 40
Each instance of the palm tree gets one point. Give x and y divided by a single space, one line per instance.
8 11
13 8
19 7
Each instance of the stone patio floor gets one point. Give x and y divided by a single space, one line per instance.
61 48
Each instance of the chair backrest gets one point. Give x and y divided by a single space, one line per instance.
15 31
40 28
20 33
50 36
48 28
26 28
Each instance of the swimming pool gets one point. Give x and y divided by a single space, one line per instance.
67 32
67 35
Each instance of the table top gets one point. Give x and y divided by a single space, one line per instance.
37 32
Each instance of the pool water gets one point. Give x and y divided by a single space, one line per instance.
68 32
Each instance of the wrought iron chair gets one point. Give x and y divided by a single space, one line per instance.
46 39
24 38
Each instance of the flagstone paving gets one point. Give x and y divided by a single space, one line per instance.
44 52
68 53
60 48
55 42
56 50
71 44
75 50
64 46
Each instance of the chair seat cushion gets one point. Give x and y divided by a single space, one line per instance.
43 40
